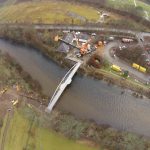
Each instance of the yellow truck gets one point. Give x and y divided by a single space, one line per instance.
142 69
138 67
116 68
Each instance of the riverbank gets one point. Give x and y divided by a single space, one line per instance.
43 41
29 107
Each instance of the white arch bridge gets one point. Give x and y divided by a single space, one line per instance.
61 87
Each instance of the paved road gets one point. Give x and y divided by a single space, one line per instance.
122 64
139 35
70 27
76 28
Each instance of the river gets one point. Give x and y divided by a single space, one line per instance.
85 98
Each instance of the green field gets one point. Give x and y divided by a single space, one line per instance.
28 133
124 4
47 12
53 12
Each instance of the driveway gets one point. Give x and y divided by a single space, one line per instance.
133 72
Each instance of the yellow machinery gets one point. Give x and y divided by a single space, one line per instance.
56 39
142 69
100 44
116 68
138 67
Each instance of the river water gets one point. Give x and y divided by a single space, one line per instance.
85 98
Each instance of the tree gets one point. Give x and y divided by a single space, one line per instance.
125 74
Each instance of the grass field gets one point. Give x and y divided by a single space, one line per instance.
61 13
47 12
123 4
25 133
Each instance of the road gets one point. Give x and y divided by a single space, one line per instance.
73 28
70 27
122 64
77 28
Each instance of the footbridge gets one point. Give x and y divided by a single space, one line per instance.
67 79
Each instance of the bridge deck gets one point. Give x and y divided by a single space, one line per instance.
61 87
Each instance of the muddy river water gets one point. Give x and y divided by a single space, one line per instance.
85 98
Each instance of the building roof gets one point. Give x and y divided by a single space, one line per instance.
63 48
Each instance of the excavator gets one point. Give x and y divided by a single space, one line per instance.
83 49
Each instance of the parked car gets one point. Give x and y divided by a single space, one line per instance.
111 38
126 40
93 34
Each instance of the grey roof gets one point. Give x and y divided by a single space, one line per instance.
63 48
83 36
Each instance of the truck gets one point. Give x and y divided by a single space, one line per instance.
142 69
116 68
138 67
125 40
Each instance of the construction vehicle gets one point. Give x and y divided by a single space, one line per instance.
142 69
83 49
138 67
100 44
116 68
126 40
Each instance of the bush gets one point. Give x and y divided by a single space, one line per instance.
71 127
106 63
